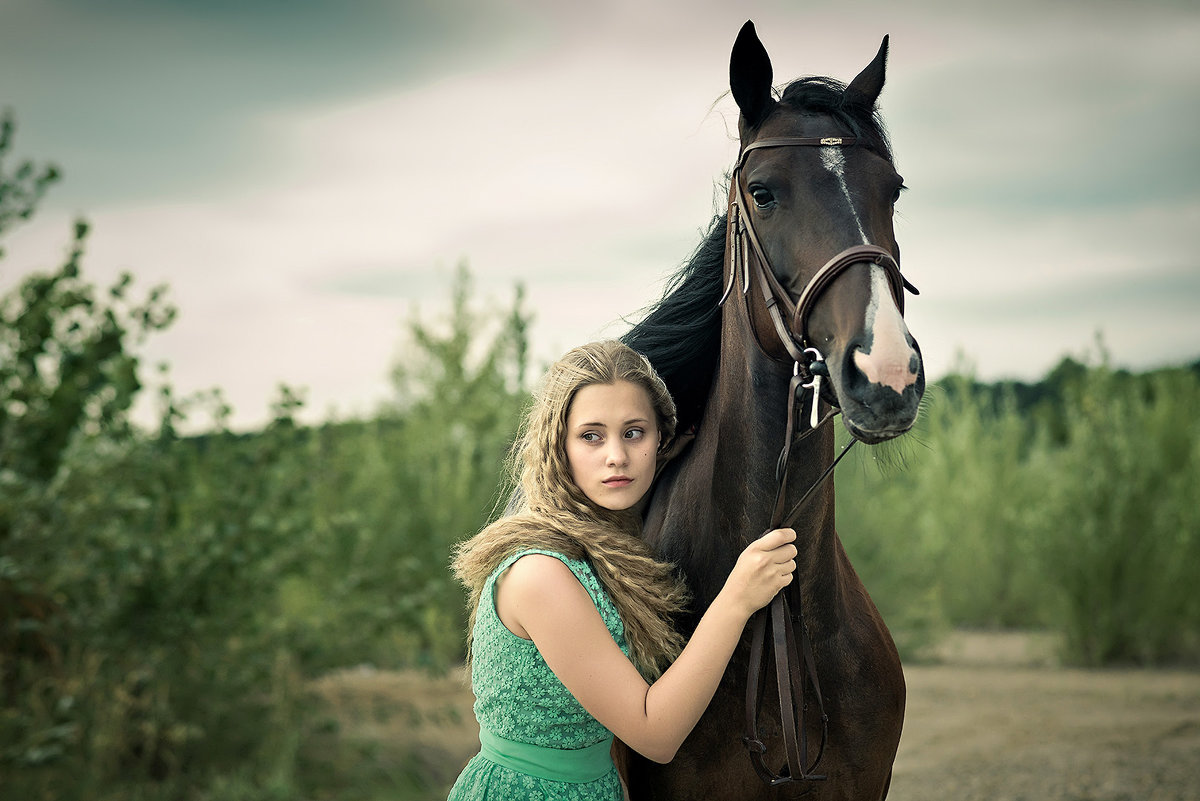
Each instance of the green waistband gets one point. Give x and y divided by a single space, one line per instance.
578 766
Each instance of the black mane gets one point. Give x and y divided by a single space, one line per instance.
681 333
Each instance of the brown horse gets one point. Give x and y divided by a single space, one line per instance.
812 196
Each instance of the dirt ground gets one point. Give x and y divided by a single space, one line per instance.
997 721
994 718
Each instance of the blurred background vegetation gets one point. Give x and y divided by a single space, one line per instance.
167 600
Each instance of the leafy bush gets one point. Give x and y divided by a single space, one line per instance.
1120 533
394 493
163 599
1071 512
186 587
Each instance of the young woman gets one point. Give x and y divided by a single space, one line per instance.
571 634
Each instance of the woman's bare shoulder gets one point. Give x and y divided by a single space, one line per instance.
539 576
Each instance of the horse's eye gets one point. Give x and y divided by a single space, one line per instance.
762 196
896 194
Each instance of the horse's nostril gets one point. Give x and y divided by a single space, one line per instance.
888 369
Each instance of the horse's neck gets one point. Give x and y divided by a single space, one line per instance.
722 495
749 410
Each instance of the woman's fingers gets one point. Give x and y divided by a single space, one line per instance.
777 537
777 545
784 553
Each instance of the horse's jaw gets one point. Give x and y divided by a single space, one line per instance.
871 429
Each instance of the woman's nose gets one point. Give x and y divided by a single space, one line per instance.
616 453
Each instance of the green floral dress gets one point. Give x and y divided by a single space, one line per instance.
537 741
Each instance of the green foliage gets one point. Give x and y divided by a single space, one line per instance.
1120 536
165 599
186 587
1066 507
64 361
23 187
394 493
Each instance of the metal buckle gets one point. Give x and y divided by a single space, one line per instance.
814 385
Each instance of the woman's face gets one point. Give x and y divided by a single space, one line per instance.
612 443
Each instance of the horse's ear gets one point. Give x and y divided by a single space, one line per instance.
750 76
865 88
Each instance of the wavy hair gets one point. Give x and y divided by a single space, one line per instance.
554 513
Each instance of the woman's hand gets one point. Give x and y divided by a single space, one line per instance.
762 570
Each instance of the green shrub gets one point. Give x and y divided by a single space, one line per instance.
1072 512
164 599
1120 534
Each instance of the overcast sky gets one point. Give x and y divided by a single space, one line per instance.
305 174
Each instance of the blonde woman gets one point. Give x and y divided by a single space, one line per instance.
571 634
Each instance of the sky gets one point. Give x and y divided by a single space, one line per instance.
305 176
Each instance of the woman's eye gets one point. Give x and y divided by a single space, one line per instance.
762 196
591 436
634 433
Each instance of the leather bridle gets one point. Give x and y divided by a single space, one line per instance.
746 251
794 662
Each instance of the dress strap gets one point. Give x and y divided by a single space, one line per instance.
577 766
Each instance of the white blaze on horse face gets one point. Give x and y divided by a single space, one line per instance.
890 360
833 160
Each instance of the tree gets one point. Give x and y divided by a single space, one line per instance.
66 371
65 358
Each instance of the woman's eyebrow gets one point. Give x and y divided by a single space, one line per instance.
598 424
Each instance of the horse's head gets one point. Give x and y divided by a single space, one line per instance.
815 190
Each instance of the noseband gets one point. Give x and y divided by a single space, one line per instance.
795 665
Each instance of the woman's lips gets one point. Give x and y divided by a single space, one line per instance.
617 481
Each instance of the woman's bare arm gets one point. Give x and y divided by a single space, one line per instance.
539 598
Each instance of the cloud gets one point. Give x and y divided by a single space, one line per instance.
302 175
145 98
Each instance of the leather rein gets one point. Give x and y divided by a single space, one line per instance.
795 664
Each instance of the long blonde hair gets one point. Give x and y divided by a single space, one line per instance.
554 513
